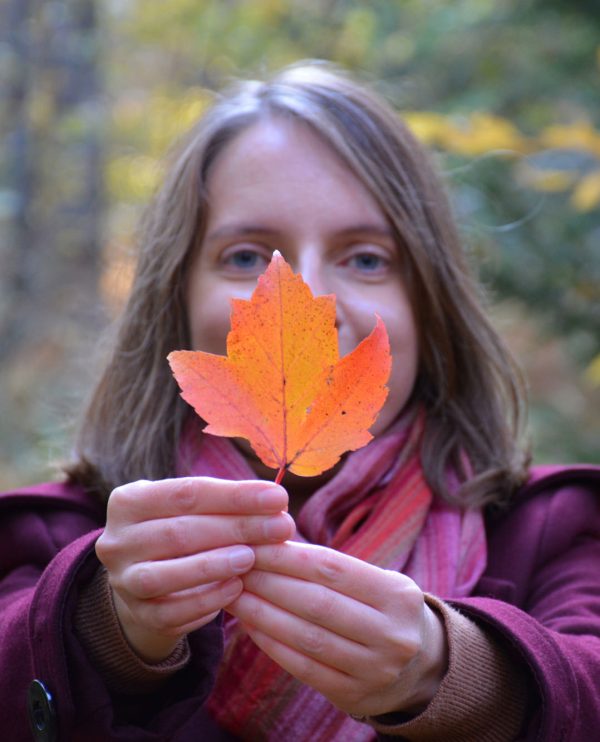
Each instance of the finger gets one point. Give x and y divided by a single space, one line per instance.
168 615
318 605
345 574
146 580
197 624
328 681
190 534
195 495
316 642
346 692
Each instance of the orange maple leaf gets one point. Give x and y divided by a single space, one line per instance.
282 384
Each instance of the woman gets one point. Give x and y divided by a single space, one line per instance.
428 587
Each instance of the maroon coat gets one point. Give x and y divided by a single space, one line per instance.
540 594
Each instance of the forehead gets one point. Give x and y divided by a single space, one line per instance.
277 163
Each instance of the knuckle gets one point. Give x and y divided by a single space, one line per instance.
255 613
162 617
401 590
320 606
254 580
124 496
412 647
238 497
312 640
330 568
394 596
144 582
387 675
404 645
107 548
176 536
204 569
244 530
183 496
307 672
118 494
413 595
114 505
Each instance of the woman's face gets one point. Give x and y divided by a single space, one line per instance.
278 186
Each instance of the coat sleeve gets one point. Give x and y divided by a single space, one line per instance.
46 557
552 619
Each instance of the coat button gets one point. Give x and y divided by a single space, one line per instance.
42 716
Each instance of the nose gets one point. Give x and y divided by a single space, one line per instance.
319 279
313 273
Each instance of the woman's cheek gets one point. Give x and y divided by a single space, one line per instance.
210 324
405 360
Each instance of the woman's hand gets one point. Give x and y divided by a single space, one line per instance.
360 635
175 549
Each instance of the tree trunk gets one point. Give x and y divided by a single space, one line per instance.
51 122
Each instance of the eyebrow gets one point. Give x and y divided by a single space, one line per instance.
241 230
368 228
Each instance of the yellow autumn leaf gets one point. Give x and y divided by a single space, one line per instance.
485 133
580 135
133 177
478 134
427 126
586 194
547 180
592 372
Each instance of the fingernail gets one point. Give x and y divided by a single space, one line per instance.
241 559
271 497
277 528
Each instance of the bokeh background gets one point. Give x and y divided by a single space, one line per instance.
92 94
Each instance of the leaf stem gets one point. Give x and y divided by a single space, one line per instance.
280 474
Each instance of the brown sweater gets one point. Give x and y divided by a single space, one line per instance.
482 697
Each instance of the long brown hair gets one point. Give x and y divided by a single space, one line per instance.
467 380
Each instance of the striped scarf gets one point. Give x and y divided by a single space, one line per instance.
378 508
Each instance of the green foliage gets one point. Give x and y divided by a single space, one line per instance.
504 91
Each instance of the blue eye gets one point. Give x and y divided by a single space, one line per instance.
244 259
367 261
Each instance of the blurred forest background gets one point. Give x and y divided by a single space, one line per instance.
92 94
